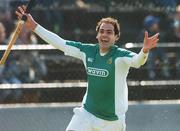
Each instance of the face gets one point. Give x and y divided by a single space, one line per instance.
106 37
155 27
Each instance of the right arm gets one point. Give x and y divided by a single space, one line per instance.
46 35
68 47
50 38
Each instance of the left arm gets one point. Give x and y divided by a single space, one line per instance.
139 59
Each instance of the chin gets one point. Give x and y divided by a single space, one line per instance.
104 47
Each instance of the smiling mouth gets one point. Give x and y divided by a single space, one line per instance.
104 41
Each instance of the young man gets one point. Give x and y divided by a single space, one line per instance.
106 100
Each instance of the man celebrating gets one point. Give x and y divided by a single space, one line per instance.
106 100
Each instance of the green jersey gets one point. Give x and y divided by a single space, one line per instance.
107 94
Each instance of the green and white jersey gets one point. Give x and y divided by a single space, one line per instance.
107 94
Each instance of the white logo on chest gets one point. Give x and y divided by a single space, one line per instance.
97 72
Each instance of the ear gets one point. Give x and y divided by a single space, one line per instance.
97 36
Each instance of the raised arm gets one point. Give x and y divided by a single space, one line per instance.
150 42
46 35
140 58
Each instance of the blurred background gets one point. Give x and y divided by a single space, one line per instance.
39 86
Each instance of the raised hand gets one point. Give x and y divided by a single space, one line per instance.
30 22
150 42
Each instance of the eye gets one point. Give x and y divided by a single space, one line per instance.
109 32
101 31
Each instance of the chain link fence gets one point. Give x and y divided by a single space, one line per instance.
76 20
37 73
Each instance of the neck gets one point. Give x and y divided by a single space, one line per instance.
104 51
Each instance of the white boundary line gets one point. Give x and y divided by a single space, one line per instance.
75 104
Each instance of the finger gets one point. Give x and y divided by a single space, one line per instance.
154 36
152 44
18 14
24 7
21 10
146 35
155 43
154 40
28 15
157 34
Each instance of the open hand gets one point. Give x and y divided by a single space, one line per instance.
150 42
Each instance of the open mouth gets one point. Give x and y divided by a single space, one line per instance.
104 41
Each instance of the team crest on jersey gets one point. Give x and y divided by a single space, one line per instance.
97 72
109 61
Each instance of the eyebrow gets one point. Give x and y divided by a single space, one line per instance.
107 29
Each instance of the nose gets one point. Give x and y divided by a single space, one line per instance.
104 34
